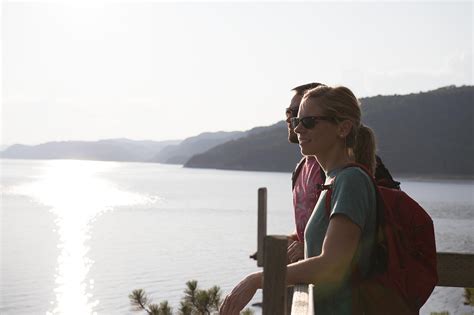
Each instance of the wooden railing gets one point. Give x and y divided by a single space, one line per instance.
454 270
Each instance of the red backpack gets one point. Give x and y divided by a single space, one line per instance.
404 270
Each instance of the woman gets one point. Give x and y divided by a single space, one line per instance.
329 127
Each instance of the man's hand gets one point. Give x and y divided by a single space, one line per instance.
295 252
241 295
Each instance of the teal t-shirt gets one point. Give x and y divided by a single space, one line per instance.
353 195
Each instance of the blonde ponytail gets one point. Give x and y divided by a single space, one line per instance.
364 148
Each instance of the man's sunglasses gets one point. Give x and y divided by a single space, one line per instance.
309 121
291 112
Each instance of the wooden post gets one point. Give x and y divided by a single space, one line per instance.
262 224
274 275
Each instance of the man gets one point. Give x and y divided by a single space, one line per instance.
308 176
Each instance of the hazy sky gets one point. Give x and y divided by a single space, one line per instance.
88 70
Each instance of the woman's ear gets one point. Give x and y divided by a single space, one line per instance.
344 128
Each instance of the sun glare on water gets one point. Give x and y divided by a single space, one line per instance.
77 195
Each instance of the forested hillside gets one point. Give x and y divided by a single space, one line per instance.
427 133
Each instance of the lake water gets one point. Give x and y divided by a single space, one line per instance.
78 236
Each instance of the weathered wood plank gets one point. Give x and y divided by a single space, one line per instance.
274 275
456 270
262 224
300 300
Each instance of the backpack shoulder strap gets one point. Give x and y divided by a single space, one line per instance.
297 171
383 176
329 186
328 197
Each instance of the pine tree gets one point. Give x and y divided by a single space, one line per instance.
468 296
194 302
141 302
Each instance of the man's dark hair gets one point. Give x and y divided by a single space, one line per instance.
303 88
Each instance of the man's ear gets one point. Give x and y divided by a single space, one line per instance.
344 128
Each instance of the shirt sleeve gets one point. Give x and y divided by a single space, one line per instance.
353 195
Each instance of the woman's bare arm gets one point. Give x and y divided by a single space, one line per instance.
339 246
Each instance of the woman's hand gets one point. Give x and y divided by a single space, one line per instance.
241 295
295 251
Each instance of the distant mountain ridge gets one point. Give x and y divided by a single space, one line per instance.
102 150
427 133
182 152
265 150
125 150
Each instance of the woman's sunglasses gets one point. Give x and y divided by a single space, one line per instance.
309 121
